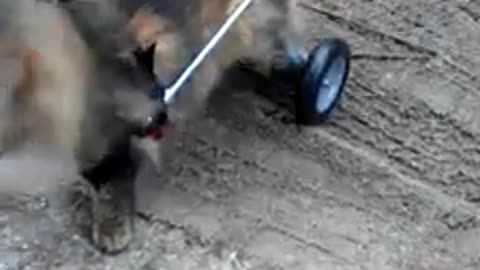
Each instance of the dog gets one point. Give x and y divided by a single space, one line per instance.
179 29
88 67
82 97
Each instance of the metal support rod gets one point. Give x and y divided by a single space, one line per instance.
172 90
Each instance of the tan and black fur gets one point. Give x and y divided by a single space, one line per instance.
82 96
180 28
76 92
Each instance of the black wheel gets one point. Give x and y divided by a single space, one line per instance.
323 81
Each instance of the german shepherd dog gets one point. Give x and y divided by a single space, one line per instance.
88 67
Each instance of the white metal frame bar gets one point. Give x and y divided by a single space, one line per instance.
172 90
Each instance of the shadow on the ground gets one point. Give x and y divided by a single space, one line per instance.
243 79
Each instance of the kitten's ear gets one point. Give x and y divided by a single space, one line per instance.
144 58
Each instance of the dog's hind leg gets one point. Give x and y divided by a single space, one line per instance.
266 36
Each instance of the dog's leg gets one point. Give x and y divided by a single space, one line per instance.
113 203
113 211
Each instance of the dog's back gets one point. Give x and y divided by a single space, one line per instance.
47 98
45 68
74 79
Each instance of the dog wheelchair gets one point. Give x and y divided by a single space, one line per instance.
320 76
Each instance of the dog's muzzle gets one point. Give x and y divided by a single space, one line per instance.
155 125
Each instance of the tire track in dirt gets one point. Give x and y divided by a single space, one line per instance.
438 27
336 158
430 144
471 9
390 18
428 128
380 192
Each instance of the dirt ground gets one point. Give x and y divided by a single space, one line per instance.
392 182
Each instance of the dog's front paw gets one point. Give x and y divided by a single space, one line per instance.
113 220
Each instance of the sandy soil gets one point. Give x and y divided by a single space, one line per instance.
390 183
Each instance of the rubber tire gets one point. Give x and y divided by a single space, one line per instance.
319 62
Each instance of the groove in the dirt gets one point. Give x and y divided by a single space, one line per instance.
449 55
404 200
388 122
389 57
313 244
447 75
364 30
317 149
455 222
475 16
191 237
262 179
296 186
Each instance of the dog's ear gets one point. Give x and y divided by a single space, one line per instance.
144 58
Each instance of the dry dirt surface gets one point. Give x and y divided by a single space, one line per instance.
392 182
